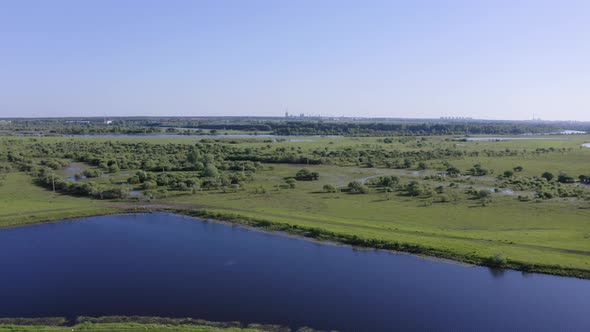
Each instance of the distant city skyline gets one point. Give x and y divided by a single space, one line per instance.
509 60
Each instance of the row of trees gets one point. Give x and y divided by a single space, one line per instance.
374 128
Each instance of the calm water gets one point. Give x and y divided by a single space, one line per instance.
167 265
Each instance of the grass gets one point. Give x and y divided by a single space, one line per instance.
22 202
122 327
129 324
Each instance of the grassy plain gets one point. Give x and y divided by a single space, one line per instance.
22 202
133 324
120 327
549 235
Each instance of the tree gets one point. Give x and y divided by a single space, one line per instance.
485 196
408 163
113 168
564 178
355 187
478 170
142 175
328 188
210 171
483 193
508 174
414 188
453 171
497 261
194 156
548 176
149 185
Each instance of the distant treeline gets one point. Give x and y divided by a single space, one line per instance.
386 129
173 126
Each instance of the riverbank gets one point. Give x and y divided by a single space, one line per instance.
356 241
316 234
132 324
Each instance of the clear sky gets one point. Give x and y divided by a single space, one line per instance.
491 59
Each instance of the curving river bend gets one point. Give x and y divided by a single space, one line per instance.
167 265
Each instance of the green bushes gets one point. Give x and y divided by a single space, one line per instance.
328 188
92 173
564 178
453 171
306 175
415 188
478 170
497 261
355 187
384 181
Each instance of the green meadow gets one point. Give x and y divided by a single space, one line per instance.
121 327
549 235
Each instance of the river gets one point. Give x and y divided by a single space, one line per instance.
162 264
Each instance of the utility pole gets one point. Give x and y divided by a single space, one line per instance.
53 181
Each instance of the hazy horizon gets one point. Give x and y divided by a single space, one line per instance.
497 60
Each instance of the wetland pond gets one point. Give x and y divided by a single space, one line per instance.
162 264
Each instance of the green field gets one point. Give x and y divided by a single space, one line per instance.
132 324
122 327
546 235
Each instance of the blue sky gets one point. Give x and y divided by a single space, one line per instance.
483 59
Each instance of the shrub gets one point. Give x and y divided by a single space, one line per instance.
291 182
306 175
328 188
564 178
497 261
356 187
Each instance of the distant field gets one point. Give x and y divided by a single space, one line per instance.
120 327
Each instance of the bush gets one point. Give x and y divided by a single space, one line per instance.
306 175
564 178
497 261
356 187
483 193
453 171
149 185
477 170
291 182
328 188
547 176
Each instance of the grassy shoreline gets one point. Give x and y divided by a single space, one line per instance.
316 233
135 323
